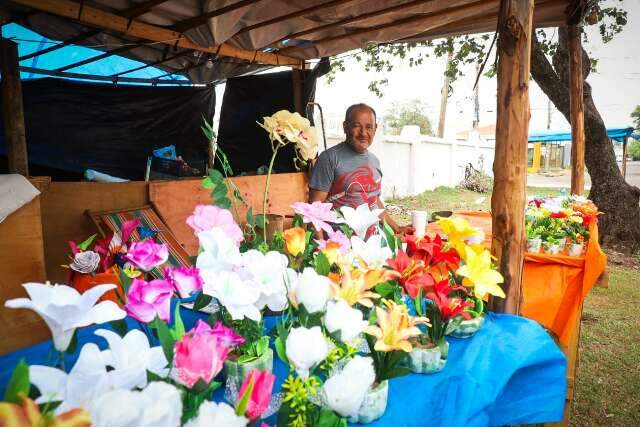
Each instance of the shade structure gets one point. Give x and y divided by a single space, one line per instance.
617 134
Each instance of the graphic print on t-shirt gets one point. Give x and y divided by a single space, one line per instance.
355 188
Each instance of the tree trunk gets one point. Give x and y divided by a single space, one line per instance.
620 224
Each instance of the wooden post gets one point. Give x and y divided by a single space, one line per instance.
296 80
13 113
510 164
577 110
624 157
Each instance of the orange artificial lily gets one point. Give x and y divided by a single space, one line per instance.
295 240
354 287
28 415
332 251
395 327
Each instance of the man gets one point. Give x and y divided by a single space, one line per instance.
348 174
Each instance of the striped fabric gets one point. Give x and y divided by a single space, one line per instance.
150 220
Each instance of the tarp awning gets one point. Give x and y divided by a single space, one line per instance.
617 134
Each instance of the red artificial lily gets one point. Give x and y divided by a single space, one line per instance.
449 307
559 214
410 273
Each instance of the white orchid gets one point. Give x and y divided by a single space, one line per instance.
131 357
345 391
360 218
212 414
311 290
87 380
268 272
371 252
219 251
64 309
348 320
238 296
306 348
158 405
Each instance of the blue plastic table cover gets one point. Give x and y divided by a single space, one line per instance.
509 372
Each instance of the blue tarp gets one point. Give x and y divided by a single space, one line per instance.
510 372
617 134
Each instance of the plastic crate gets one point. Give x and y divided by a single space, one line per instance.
177 167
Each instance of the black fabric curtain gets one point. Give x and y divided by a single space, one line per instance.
246 101
72 126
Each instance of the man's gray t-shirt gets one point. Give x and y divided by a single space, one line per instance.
350 178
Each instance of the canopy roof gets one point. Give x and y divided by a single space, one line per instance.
617 134
245 35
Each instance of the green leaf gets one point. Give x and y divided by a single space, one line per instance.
323 267
223 202
201 301
153 377
178 325
262 345
246 358
215 175
19 383
394 373
166 340
119 326
390 237
384 289
250 219
73 345
84 245
219 191
243 403
208 184
261 221
281 350
328 418
125 281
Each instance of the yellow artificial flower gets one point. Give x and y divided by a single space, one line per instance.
354 288
576 219
395 327
285 126
457 229
28 415
479 274
332 252
295 240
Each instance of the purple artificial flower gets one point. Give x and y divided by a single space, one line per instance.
224 334
317 213
185 280
147 254
146 299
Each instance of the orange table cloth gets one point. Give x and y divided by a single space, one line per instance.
553 286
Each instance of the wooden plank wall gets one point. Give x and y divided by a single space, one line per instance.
175 200
23 260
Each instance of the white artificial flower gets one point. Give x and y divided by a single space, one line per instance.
85 262
371 252
64 309
212 414
361 218
348 320
268 272
345 391
158 405
238 296
306 348
312 290
476 238
87 379
131 357
219 251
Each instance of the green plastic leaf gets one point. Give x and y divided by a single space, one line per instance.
125 281
261 221
19 383
202 301
178 325
390 237
262 345
243 403
215 175
250 219
84 245
323 267
400 371
328 418
219 191
281 350
384 289
246 358
208 184
166 339
119 326
223 203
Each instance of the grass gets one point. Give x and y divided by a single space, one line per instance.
607 390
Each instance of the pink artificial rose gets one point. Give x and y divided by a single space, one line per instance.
206 217
185 280
146 299
261 394
147 254
223 334
198 357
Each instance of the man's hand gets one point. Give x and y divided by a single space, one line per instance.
317 195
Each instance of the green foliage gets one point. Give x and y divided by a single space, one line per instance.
634 149
635 115
19 384
323 267
387 364
254 350
411 112
166 338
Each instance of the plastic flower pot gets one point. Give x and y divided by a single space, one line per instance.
428 360
373 405
551 248
467 328
84 282
562 243
575 249
534 245
237 372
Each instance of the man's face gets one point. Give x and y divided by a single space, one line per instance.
360 129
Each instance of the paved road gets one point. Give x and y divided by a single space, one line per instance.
535 180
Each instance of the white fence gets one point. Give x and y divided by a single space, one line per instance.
413 163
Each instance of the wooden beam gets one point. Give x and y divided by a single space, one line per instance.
187 24
510 163
132 12
95 17
12 109
576 82
296 80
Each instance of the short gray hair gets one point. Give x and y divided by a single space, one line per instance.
349 114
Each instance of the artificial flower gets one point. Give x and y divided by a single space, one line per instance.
147 254
361 218
345 391
371 252
267 273
238 296
295 240
311 290
336 237
457 230
307 143
285 126
260 397
209 217
130 357
479 274
410 273
305 349
145 300
158 405
28 415
212 414
395 327
219 252
198 357
317 213
346 320
64 309
185 280
354 288
449 307
225 335
331 250
85 262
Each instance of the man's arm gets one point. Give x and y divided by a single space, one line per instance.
317 195
394 226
